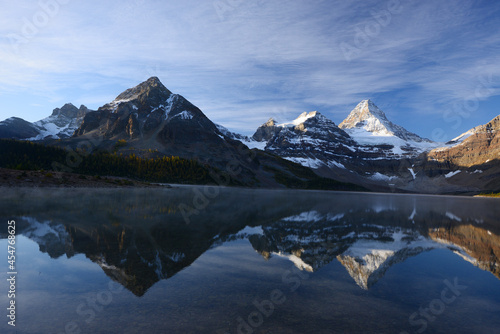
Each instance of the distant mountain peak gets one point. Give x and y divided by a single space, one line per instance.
308 114
368 119
69 110
367 115
270 122
303 118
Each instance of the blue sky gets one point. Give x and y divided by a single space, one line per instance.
432 66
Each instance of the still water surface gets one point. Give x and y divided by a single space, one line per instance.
196 260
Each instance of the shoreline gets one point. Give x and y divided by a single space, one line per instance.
11 178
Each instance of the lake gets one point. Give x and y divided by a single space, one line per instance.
221 260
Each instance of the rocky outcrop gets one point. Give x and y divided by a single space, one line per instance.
70 111
267 131
475 147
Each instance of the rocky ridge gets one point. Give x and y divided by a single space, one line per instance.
62 123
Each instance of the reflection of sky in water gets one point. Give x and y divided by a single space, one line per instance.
236 267
52 289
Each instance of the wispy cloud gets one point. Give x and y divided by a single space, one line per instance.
259 58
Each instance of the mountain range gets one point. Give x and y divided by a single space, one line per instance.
366 149
62 123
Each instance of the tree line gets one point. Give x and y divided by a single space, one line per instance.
26 155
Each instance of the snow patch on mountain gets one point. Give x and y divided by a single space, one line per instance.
170 102
184 115
297 261
463 137
307 162
255 144
413 174
49 128
301 119
116 103
381 177
451 174
248 141
455 141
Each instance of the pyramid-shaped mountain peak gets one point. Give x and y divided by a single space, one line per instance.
149 89
364 112
369 120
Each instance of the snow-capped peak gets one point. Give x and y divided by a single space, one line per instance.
369 117
302 118
368 125
62 123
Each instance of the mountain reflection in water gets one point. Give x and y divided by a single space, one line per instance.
139 237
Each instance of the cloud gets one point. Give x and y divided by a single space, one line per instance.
258 57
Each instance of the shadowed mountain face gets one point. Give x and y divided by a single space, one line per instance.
17 128
141 237
150 117
149 110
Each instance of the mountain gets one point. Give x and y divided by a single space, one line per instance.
18 128
150 121
369 126
149 117
366 148
311 140
61 124
470 161
147 110
477 146
369 150
365 134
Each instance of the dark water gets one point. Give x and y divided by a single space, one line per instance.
196 260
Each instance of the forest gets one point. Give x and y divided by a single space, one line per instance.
26 155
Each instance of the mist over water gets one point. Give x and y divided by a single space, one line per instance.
221 260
